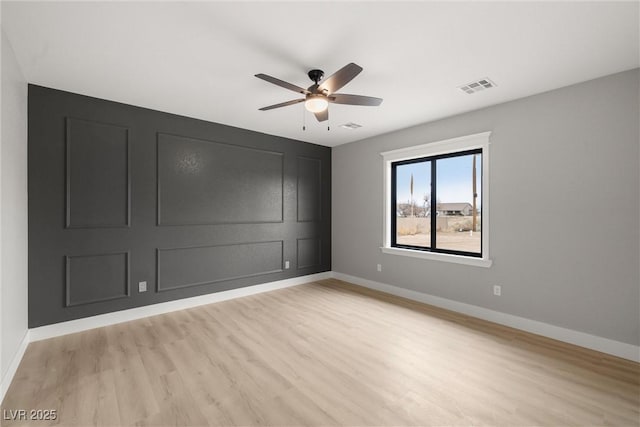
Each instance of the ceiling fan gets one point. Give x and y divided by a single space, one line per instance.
318 96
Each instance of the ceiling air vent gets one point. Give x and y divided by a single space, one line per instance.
477 86
351 126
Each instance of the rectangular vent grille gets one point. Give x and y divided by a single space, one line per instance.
477 86
351 126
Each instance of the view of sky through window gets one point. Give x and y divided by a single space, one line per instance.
454 180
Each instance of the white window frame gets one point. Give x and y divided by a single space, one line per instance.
453 145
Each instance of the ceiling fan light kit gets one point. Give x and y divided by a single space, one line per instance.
316 103
320 94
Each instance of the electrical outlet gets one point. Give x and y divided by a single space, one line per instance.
497 290
142 286
286 265
379 267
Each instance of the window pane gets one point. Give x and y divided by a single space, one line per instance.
413 205
457 228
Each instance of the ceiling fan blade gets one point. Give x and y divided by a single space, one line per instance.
343 98
340 78
282 104
322 115
282 83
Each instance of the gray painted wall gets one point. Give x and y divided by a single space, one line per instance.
13 203
564 223
121 194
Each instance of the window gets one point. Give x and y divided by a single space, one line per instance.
436 201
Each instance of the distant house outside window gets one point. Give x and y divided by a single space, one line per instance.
436 201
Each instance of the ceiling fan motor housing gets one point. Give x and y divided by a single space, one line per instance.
316 75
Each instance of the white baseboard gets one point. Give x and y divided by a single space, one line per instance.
13 366
79 325
593 342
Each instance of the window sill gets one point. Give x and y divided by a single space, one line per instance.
457 259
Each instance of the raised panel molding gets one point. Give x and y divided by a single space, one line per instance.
203 182
98 189
309 189
309 252
203 265
99 275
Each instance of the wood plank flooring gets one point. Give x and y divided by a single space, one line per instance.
325 353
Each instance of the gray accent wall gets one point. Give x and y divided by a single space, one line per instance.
564 226
121 194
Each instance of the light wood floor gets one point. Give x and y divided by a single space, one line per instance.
326 353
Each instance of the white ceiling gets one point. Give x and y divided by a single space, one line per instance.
198 59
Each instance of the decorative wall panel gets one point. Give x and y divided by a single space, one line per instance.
195 266
96 278
97 174
309 252
206 182
309 189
